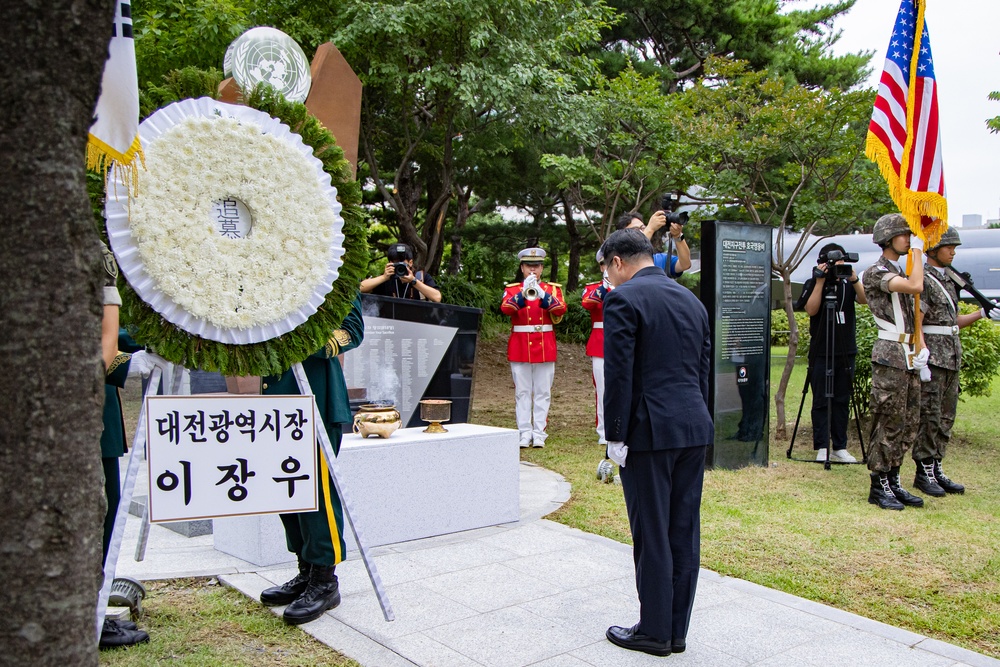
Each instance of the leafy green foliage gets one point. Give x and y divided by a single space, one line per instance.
994 123
980 356
575 326
178 85
175 34
459 291
866 335
278 354
673 40
780 330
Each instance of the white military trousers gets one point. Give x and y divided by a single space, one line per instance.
599 390
532 394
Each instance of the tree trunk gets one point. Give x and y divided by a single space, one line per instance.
793 346
50 408
461 217
573 277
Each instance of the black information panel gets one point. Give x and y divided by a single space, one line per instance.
736 291
415 350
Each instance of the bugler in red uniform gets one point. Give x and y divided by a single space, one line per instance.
533 338
533 307
593 301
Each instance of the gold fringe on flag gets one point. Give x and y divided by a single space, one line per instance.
104 159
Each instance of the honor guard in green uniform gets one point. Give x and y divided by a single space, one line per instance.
114 633
895 399
317 538
939 396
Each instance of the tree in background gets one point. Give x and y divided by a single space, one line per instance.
626 152
439 72
788 157
50 408
994 123
674 40
174 34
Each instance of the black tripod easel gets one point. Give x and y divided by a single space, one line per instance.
830 309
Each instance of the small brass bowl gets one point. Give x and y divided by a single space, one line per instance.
435 411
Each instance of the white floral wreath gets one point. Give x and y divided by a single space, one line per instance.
232 290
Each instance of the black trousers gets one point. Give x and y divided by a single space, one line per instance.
663 498
840 404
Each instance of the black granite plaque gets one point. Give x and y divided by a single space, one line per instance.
736 291
415 350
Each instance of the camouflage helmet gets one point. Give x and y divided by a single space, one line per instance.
950 237
889 227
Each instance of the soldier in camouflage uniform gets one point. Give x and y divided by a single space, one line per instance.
939 396
895 382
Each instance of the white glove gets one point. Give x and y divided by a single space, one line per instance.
921 358
617 451
916 243
925 374
530 281
994 313
607 284
143 363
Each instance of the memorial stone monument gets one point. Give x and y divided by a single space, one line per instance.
736 291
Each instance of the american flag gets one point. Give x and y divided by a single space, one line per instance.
904 135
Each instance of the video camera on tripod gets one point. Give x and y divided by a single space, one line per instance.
831 259
668 204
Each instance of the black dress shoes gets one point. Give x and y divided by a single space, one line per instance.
634 640
677 645
114 635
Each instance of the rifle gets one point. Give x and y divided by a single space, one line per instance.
964 281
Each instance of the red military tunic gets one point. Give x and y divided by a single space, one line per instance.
532 338
593 301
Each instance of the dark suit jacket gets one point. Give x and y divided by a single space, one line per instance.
657 351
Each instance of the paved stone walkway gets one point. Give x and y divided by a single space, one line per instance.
538 593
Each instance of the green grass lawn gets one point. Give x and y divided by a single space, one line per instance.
796 527
199 623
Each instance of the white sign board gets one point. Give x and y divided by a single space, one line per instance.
215 456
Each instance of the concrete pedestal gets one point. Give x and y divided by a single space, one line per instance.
408 486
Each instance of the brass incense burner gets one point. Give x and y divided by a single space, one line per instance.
375 419
435 411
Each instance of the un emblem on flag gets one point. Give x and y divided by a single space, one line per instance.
267 55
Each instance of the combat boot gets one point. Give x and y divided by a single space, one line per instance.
902 495
287 592
881 494
925 479
322 593
948 485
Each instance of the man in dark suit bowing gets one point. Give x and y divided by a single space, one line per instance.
657 350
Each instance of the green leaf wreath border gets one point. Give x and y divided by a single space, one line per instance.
276 355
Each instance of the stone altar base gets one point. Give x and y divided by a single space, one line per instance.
409 486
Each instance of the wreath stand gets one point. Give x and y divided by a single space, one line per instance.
128 486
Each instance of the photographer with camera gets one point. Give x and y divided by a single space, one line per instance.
829 297
678 254
400 280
